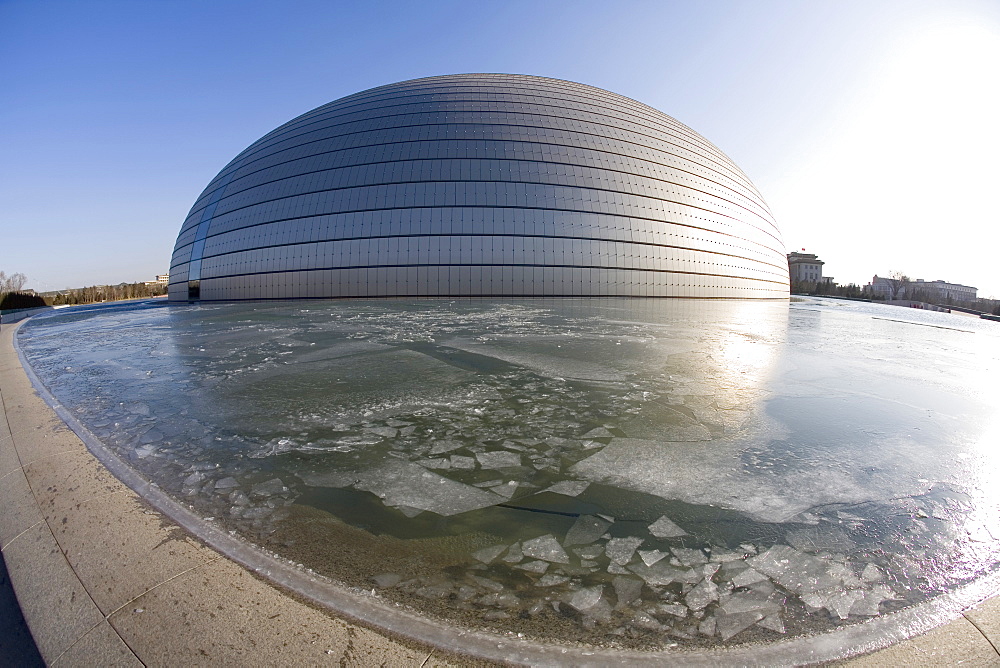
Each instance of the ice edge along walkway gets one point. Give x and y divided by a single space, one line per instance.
103 579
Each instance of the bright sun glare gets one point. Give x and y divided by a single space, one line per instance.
907 178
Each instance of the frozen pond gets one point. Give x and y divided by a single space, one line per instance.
634 473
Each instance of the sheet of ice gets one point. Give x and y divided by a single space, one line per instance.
534 566
545 364
498 459
728 626
662 573
818 538
488 554
586 598
598 432
650 557
568 487
710 474
751 601
703 593
401 483
794 570
672 609
772 623
443 446
552 579
462 462
665 528
546 548
621 550
748 577
689 556
586 530
514 554
627 590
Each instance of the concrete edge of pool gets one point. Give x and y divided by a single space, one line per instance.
104 579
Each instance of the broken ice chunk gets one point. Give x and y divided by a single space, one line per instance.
534 566
551 580
435 463
546 548
868 602
748 577
750 601
675 609
689 557
871 573
643 621
598 432
488 554
615 569
730 625
506 490
569 488
661 573
620 550
486 582
664 528
462 462
814 539
226 483
498 459
269 488
401 483
650 557
589 552
386 432
586 530
772 622
703 594
445 446
408 511
586 598
514 554
707 626
627 590
794 570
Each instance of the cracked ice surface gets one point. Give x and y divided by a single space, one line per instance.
608 471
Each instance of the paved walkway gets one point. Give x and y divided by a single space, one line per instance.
105 580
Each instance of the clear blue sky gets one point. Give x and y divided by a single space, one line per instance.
871 128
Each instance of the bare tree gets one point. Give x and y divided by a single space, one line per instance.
12 283
898 281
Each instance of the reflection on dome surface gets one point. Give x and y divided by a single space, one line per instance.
634 473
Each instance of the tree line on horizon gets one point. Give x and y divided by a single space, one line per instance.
14 296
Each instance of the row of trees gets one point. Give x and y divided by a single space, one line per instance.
11 295
14 296
106 293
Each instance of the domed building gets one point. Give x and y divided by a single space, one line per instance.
480 185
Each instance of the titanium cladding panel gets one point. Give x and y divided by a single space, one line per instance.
480 185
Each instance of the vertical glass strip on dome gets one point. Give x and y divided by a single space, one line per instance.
480 185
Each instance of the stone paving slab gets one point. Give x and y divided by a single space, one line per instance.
100 646
54 601
105 580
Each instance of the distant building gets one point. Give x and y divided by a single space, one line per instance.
161 279
927 291
805 267
881 287
942 291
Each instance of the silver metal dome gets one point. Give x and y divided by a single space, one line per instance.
480 185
